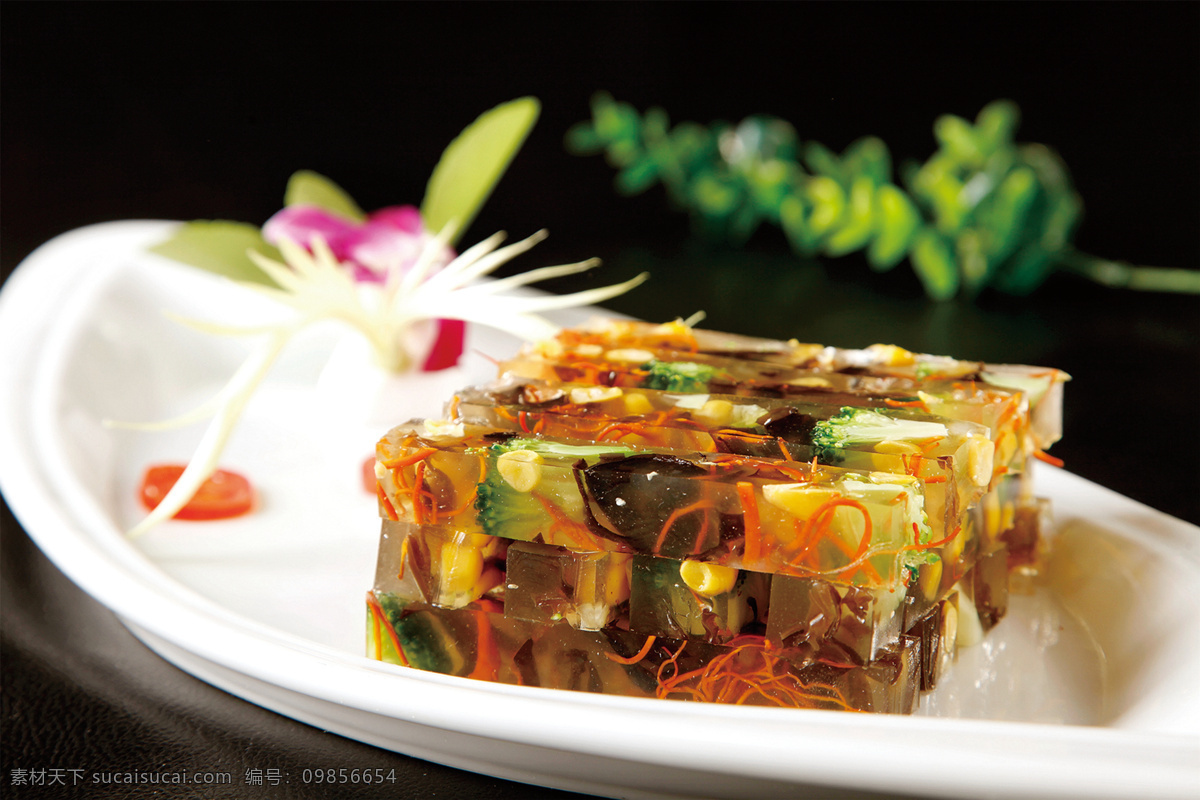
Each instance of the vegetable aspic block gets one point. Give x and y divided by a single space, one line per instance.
685 529
812 574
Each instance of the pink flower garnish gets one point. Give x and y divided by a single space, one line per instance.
381 248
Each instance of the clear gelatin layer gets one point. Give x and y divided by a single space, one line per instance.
862 528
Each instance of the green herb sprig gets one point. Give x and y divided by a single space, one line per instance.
982 211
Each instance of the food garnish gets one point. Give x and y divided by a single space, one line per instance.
391 277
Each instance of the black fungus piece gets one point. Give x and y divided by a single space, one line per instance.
789 424
638 496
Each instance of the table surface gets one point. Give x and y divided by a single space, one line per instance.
82 697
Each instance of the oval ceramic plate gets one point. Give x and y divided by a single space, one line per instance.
1087 688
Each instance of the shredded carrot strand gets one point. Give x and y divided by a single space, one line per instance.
818 526
930 443
579 534
751 522
487 653
404 546
388 508
749 669
682 512
636 657
418 484
412 458
906 404
1049 459
470 501
928 545
380 617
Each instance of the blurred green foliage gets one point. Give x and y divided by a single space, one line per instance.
982 210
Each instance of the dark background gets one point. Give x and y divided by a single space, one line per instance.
182 111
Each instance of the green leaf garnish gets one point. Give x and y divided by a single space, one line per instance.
311 188
473 163
983 210
220 247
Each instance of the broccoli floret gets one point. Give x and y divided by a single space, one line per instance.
864 426
426 641
505 510
678 376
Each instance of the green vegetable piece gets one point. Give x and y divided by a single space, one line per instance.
310 188
220 247
854 425
933 260
426 642
506 512
473 163
678 376
896 223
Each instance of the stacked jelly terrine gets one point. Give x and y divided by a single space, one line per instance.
655 510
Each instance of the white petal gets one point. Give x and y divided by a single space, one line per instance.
453 277
532 276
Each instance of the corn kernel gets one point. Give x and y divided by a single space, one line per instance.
521 469
461 567
707 580
550 348
929 578
949 630
977 455
440 429
630 356
594 394
810 380
637 404
714 413
970 630
897 448
892 356
798 499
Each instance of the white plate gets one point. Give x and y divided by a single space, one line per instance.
1087 688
